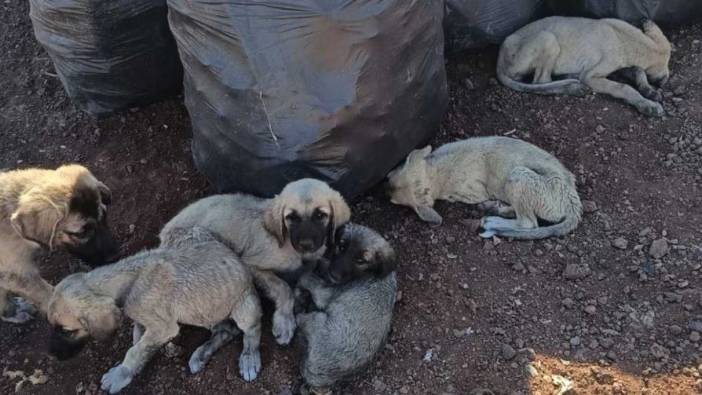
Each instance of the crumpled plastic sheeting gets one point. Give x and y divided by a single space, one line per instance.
111 54
337 90
664 12
478 23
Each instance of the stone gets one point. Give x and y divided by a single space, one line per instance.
659 248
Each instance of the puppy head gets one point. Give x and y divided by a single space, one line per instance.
76 314
68 210
658 72
409 185
358 256
307 212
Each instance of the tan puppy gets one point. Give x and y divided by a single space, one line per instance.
272 236
587 51
50 209
476 170
191 278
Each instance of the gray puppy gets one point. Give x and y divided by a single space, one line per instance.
353 308
272 236
190 279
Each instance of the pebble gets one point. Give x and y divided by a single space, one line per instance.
620 243
574 271
575 341
675 330
590 309
659 248
694 336
508 352
568 303
589 206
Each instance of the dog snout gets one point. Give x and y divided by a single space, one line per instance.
307 245
64 348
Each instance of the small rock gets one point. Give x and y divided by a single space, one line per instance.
507 352
620 243
606 343
568 303
672 297
695 325
694 336
659 248
172 350
404 389
574 271
575 341
589 206
590 309
675 330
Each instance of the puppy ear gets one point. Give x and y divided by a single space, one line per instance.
105 193
339 213
419 154
386 264
36 220
274 222
428 214
102 320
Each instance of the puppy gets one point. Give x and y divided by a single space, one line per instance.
587 50
352 309
272 236
190 279
534 183
47 209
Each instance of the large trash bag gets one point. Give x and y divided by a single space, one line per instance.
337 90
478 23
109 54
665 12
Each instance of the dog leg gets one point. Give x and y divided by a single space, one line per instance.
321 294
280 293
496 207
137 333
626 93
248 317
222 334
15 310
637 75
137 356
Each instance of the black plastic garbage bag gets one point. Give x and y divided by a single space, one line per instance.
336 90
109 54
665 12
477 23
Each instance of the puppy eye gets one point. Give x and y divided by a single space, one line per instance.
292 217
320 215
84 232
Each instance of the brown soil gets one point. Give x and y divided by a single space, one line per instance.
473 314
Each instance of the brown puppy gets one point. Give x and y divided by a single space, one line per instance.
50 209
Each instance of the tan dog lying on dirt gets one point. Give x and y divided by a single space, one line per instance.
587 51
534 183
191 278
62 208
272 236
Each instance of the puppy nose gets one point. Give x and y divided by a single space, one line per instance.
306 245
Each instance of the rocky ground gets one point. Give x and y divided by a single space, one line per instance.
616 307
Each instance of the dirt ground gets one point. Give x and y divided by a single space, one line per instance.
597 308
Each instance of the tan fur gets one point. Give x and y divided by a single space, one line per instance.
150 288
34 213
476 170
256 230
587 51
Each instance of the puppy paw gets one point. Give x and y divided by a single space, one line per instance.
283 327
19 311
577 90
487 234
198 360
116 379
250 365
651 108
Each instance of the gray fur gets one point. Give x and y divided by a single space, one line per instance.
529 179
588 50
254 229
352 321
191 279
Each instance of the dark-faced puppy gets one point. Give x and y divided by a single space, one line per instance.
349 318
354 255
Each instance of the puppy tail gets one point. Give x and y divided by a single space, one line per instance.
560 229
569 86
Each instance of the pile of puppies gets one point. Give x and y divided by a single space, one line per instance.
333 279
